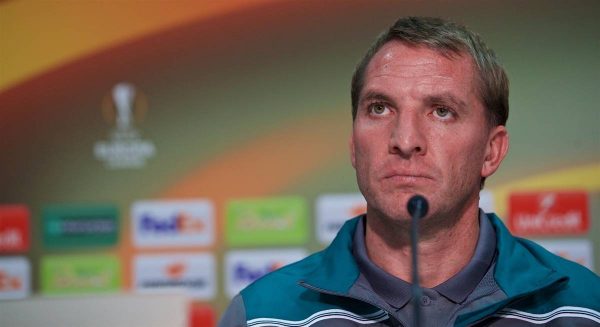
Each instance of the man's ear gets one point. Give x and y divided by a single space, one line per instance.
351 146
495 151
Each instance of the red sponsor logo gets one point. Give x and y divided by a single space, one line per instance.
9 283
175 270
201 316
549 213
14 228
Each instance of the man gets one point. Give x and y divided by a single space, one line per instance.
430 104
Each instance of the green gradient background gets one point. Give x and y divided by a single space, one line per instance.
215 85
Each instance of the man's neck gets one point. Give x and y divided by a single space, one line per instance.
442 252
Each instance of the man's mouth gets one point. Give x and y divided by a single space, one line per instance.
407 178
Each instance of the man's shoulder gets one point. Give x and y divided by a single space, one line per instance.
581 280
320 265
573 300
516 251
555 283
284 279
296 290
280 295
273 296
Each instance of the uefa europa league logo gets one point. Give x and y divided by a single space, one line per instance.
123 96
123 106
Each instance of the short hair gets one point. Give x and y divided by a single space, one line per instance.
449 39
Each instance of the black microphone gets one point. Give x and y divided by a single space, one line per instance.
417 207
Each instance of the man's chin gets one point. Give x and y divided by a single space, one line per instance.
397 200
391 212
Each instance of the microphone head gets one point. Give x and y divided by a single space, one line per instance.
417 206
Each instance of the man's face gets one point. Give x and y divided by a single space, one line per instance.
421 128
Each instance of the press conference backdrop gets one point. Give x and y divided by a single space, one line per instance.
193 146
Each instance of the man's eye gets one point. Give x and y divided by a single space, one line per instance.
442 112
378 109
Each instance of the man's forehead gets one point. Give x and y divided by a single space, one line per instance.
397 60
396 54
448 52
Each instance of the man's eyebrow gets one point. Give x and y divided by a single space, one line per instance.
445 98
372 95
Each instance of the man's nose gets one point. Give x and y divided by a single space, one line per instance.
408 135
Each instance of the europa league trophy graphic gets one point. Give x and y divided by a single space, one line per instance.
123 96
125 149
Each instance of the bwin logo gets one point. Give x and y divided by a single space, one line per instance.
177 223
244 273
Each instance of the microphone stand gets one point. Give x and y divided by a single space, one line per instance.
417 207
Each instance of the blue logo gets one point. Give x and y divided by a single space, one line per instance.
249 274
175 224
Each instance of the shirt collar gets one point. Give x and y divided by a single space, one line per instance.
391 289
397 292
459 286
